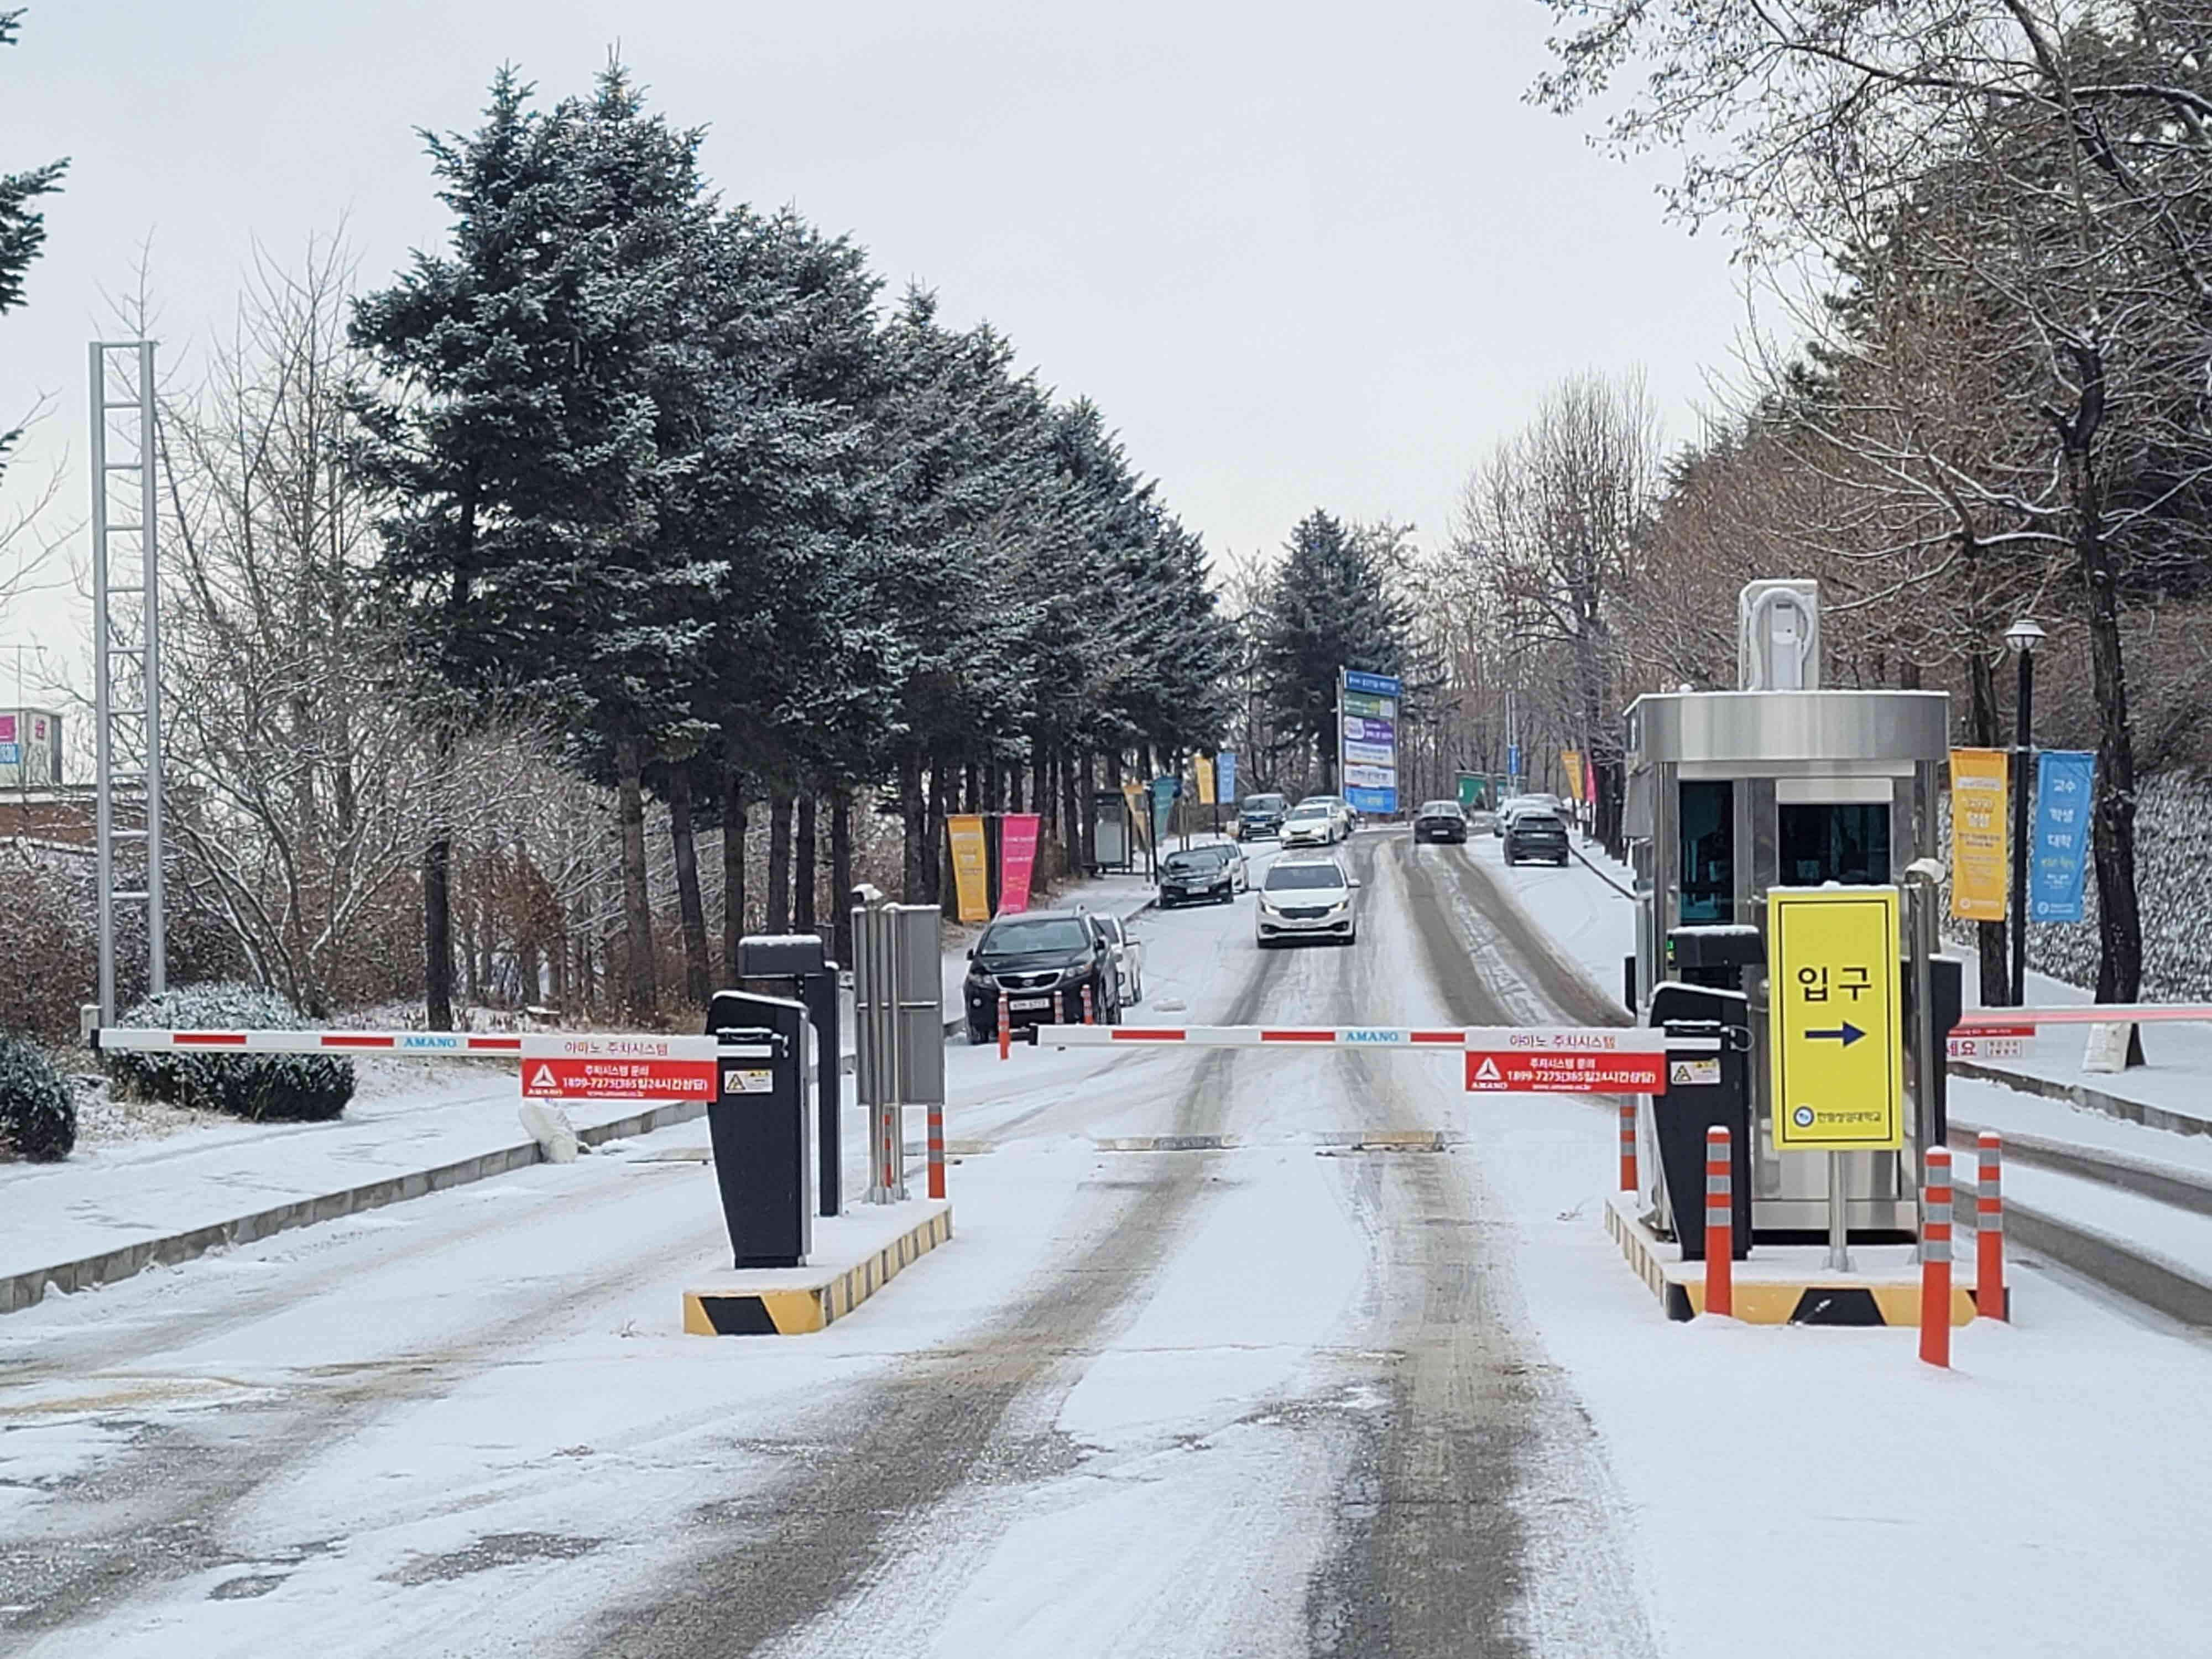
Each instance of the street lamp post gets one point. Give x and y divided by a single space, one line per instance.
2021 639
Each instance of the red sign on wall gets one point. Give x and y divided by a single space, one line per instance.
569 1078
1518 1070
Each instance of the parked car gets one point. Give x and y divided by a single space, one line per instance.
1200 875
1259 816
1128 955
1043 961
1440 820
1306 898
1536 835
1313 824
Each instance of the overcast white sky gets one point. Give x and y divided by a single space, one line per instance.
1300 254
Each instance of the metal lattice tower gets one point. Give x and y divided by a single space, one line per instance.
126 661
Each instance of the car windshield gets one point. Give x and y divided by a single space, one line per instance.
1197 859
1537 821
1008 938
1263 803
1440 809
1311 809
1304 877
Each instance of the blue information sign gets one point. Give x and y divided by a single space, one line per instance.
2057 858
1225 775
12 754
1376 685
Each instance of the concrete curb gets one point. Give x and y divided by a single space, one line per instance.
2081 1094
800 1301
23 1290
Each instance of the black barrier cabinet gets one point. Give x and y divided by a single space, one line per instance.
799 958
1948 992
1689 1107
758 1126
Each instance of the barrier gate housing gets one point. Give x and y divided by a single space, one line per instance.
1781 783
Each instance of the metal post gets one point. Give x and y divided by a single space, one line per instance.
126 662
2023 757
1839 1237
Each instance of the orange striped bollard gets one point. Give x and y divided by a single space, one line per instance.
1628 1144
936 1149
1087 1019
1989 1230
1935 1259
1005 1027
1720 1225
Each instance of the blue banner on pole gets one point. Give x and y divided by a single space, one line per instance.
1225 775
1164 791
1513 760
2057 858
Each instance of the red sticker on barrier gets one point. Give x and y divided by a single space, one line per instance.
571 1079
1519 1071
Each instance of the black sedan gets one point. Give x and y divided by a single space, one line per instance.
1440 820
1044 962
1203 875
1533 835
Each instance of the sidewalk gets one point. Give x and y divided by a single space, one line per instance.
103 1216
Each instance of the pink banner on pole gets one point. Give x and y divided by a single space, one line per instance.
1017 841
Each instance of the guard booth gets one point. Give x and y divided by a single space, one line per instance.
1782 783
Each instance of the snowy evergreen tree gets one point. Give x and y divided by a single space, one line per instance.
1331 604
22 227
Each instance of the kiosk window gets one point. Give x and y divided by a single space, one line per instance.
1708 823
1847 842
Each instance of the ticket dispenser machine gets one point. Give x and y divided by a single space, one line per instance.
1782 783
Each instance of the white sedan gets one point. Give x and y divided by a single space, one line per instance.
1306 898
1311 823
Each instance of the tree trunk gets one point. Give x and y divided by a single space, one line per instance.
438 894
840 875
1086 829
1014 788
1067 813
939 805
914 815
696 985
2119 919
802 900
779 859
1988 936
733 868
637 904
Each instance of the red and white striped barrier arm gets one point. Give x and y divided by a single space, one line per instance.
1549 1039
149 1040
535 1045
1976 1021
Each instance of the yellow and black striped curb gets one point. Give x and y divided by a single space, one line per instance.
768 1304
1681 1286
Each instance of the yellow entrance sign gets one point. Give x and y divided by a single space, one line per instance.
1835 1021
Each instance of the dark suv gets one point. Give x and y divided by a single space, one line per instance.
1534 835
1043 962
1259 815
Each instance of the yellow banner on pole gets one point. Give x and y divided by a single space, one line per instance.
1977 834
1571 761
1206 780
970 881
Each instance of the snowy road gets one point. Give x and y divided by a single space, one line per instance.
1276 1396
1279 1392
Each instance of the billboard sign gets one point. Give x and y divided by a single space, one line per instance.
30 749
1367 739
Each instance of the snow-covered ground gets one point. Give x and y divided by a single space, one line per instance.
1268 1395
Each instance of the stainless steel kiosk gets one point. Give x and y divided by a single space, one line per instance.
1782 783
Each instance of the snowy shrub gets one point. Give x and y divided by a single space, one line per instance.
37 1116
299 1088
